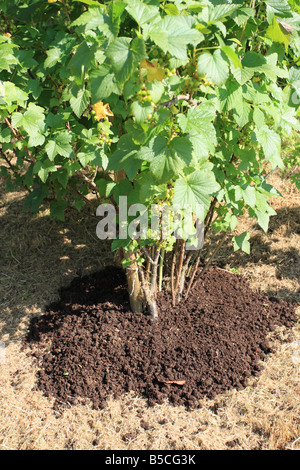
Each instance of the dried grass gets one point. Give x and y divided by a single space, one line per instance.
38 255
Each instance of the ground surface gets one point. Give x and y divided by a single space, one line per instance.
38 256
90 346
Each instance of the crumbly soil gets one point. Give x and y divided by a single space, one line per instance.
90 346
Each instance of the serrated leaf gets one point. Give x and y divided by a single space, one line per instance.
217 13
35 140
166 159
230 96
141 12
103 84
243 75
80 102
196 120
59 145
125 55
263 220
32 121
241 242
82 60
278 33
271 144
242 113
214 66
102 110
172 34
232 55
57 209
12 93
195 189
249 195
53 56
125 157
141 110
280 8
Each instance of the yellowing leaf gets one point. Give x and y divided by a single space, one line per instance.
279 32
154 71
146 64
102 110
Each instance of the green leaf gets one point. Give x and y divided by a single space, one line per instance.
60 146
32 121
243 75
232 55
102 84
201 132
249 195
141 12
230 96
263 220
214 66
280 8
278 34
53 56
43 168
82 60
258 118
12 93
7 58
96 19
271 144
125 157
166 159
172 34
5 135
141 110
242 113
125 55
57 209
195 189
80 102
196 119
242 15
171 9
217 13
36 140
241 242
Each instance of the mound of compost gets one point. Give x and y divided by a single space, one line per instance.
90 346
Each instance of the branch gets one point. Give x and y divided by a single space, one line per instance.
215 252
169 103
146 252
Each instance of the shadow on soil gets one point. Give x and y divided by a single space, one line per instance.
39 255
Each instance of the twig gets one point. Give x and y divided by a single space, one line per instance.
77 193
215 252
15 133
161 268
154 272
147 255
271 173
172 279
169 103
180 264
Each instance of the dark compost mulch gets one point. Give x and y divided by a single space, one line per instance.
90 346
